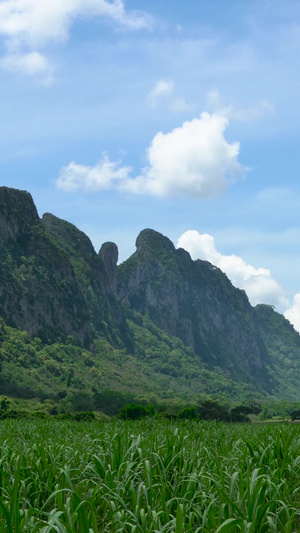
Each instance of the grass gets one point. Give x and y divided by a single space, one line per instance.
148 476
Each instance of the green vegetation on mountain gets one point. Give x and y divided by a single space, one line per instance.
106 379
283 345
80 333
196 302
39 292
104 310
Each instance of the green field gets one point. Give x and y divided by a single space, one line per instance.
149 476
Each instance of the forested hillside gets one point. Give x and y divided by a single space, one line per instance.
161 327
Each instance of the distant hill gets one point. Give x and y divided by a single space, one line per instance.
158 326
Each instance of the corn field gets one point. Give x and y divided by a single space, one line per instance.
148 476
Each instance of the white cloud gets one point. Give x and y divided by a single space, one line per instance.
161 89
293 313
192 160
105 175
164 90
254 112
29 25
258 283
31 63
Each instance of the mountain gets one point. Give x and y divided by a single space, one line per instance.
39 291
96 274
195 301
159 325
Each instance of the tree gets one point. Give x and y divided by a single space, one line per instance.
188 413
255 407
134 411
240 412
5 403
213 410
82 401
111 401
295 415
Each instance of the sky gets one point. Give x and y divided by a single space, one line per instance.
179 116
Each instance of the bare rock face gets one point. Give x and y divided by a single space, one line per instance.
17 213
109 254
195 301
38 289
96 274
53 284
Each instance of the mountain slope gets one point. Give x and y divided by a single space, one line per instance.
96 274
38 292
159 323
283 345
195 301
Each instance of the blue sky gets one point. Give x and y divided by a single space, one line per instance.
179 116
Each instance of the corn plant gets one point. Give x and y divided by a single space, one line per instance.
148 476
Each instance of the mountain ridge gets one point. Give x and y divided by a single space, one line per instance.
195 301
180 322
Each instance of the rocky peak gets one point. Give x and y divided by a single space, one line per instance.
17 213
195 301
38 291
150 240
69 234
95 273
183 254
109 254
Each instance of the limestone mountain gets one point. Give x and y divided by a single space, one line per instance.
159 322
195 301
96 274
39 292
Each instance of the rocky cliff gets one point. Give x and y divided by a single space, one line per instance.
195 301
96 274
176 317
17 214
38 289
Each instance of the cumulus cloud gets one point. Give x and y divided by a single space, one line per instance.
258 283
293 313
105 175
193 160
28 25
164 90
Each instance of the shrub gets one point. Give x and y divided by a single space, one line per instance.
85 416
10 413
295 415
82 401
5 403
134 411
239 413
111 401
212 410
188 412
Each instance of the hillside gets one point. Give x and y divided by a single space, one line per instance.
158 327
195 301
